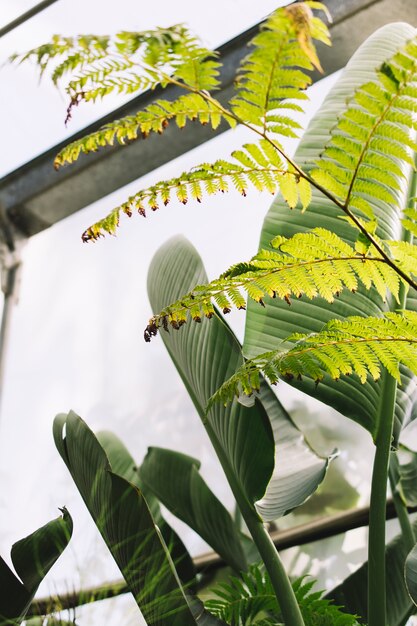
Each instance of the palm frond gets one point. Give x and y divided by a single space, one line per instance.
255 165
273 77
251 601
317 263
356 345
361 164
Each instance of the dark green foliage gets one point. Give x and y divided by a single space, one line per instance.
251 601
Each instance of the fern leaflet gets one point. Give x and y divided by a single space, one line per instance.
283 51
317 263
257 165
129 62
361 164
251 601
155 118
355 345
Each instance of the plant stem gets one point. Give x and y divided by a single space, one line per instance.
376 545
284 592
290 610
401 509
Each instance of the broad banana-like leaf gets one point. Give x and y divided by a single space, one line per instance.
411 574
264 455
267 327
124 465
352 592
123 518
176 481
32 558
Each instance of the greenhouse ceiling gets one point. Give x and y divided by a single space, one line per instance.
34 196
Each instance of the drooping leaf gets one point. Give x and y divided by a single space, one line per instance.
175 480
32 558
251 440
125 523
267 327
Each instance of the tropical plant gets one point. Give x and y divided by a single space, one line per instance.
344 260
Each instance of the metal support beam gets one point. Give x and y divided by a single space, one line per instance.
26 16
35 196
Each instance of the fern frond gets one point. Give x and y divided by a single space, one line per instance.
255 165
361 164
405 256
155 118
409 221
251 601
127 62
273 77
356 345
317 263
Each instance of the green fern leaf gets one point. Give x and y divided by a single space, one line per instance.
251 601
361 164
257 165
356 345
154 119
283 51
317 263
126 63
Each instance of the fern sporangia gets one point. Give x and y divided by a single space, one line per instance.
251 601
360 165
355 345
316 263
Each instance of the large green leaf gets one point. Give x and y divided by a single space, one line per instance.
267 327
32 558
124 465
411 574
264 455
176 481
125 522
352 592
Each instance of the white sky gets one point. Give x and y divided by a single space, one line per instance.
76 339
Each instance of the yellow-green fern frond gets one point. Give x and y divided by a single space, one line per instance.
283 51
317 263
362 163
255 165
127 62
410 220
155 118
404 255
356 345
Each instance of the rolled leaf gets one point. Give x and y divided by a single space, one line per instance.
267 327
255 442
32 558
175 480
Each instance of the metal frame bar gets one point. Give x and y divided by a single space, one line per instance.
26 16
